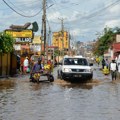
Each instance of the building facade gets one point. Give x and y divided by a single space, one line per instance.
61 40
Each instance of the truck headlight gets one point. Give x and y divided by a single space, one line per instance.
67 70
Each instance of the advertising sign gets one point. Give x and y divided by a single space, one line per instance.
23 40
20 34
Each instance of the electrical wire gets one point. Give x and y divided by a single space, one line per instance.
98 12
24 5
19 8
20 13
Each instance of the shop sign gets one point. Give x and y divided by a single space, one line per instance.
23 40
20 34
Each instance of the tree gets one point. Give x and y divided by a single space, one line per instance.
104 42
6 43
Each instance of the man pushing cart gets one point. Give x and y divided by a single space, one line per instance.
39 70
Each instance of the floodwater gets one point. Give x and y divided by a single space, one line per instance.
60 100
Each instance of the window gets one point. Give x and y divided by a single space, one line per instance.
75 61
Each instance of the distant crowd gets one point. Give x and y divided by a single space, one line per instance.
110 66
26 63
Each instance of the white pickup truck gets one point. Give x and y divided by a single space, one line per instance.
75 67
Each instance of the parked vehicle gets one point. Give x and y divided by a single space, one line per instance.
75 67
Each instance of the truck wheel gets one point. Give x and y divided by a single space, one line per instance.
62 76
90 78
51 78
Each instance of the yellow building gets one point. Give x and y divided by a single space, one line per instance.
60 40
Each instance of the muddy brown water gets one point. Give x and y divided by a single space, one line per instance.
60 100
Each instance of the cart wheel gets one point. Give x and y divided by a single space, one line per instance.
51 78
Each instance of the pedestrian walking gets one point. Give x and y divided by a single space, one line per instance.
98 61
118 75
103 63
118 64
113 69
26 65
107 63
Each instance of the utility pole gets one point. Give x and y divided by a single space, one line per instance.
69 47
62 30
48 42
44 28
42 34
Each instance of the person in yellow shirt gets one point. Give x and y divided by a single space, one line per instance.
98 60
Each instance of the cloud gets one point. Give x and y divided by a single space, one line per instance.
115 9
73 16
54 16
75 32
112 23
82 18
64 1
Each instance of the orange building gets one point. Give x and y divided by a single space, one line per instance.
60 40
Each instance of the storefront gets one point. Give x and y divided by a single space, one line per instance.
31 47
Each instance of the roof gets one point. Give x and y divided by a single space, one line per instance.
77 56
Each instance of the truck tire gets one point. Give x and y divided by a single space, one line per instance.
51 78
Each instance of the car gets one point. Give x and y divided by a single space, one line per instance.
74 67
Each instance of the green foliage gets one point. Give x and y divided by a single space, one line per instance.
104 41
6 43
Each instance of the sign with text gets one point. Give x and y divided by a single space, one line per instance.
20 34
23 40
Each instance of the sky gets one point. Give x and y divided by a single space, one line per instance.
85 20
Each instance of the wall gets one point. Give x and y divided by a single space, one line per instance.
6 65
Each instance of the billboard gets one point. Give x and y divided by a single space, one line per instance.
20 34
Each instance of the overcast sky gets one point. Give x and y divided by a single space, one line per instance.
84 19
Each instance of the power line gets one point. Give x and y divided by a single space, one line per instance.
98 12
24 3
19 2
20 13
24 7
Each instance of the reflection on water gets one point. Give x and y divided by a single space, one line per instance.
60 100
6 84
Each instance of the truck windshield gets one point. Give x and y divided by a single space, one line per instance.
75 61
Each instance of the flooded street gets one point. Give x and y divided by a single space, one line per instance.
23 100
